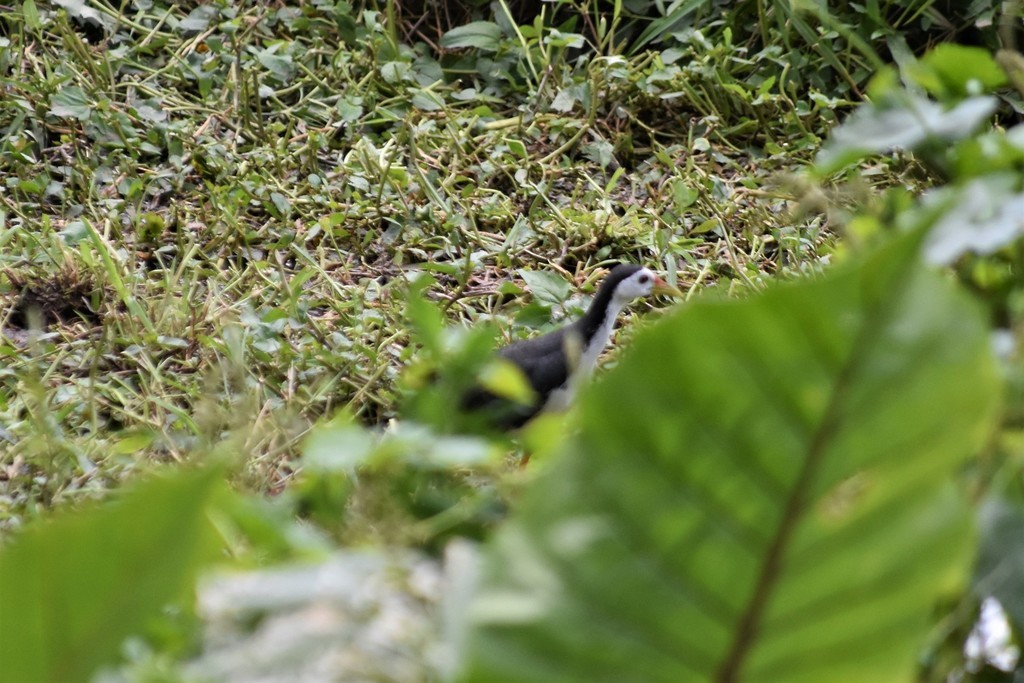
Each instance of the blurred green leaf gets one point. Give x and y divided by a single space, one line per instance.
281 203
556 38
762 491
568 97
504 378
350 108
884 84
418 445
264 530
872 129
76 585
534 315
951 71
133 441
447 365
981 216
31 14
600 152
426 320
338 447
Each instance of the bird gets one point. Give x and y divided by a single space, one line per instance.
556 364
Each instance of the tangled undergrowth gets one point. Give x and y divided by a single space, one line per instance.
217 213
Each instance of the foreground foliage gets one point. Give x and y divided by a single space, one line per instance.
75 588
785 513
223 223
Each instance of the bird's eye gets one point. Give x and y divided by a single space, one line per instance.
644 279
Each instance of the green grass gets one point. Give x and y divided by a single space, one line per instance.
243 198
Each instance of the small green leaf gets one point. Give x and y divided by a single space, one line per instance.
568 97
565 100
672 55
151 111
547 288
31 186
79 10
600 152
71 102
281 203
199 19
280 65
169 342
556 38
517 148
427 100
484 35
393 72
534 315
706 226
508 287
74 232
30 13
683 195
424 317
350 108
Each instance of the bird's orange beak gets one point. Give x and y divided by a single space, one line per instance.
662 287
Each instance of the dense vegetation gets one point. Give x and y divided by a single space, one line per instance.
252 252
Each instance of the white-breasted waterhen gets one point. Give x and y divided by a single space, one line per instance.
555 364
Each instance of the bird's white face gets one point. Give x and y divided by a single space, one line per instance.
640 283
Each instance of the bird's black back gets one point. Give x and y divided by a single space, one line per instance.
545 360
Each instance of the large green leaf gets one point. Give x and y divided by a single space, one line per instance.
762 491
74 587
952 70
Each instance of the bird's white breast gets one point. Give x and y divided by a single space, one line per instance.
582 364
598 343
